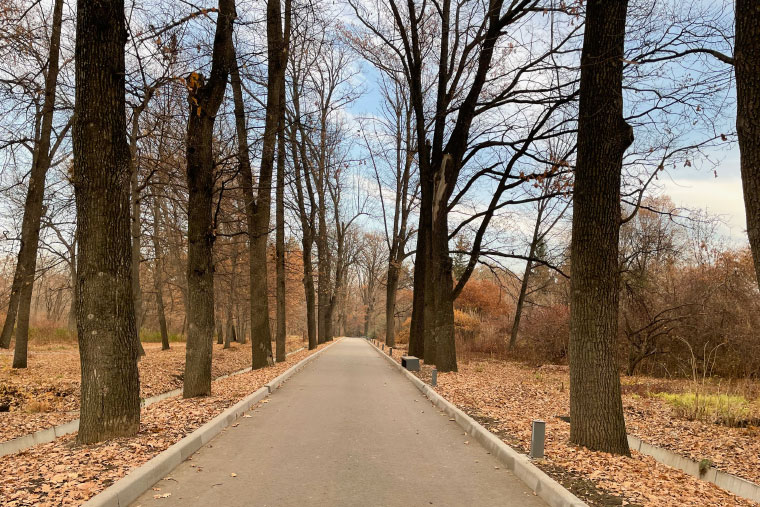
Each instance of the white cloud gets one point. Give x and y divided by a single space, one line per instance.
719 196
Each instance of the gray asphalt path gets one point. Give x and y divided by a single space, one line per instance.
348 430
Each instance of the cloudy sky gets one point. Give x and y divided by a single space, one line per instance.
721 195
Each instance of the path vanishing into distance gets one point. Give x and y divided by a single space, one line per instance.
348 430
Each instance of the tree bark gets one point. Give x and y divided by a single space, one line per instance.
443 282
391 289
280 236
110 386
417 327
324 283
747 62
204 99
596 410
23 279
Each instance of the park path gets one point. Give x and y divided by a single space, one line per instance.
349 430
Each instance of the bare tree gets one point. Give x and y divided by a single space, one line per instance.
370 271
747 62
596 408
204 99
110 399
23 280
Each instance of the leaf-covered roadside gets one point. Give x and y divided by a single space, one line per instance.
61 473
47 393
506 396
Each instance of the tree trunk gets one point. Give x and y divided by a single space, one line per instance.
158 283
204 100
526 279
391 289
135 225
596 409
747 62
417 327
230 329
22 327
520 303
442 280
110 386
23 279
232 297
323 282
311 297
280 236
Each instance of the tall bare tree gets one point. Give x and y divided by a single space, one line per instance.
204 99
110 399
747 62
596 408
23 280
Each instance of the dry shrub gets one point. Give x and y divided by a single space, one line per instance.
402 336
47 334
545 333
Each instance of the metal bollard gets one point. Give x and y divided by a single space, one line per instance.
390 351
434 377
537 440
383 346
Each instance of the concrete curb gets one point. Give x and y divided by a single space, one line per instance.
544 486
736 485
49 434
129 488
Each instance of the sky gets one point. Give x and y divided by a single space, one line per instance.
721 195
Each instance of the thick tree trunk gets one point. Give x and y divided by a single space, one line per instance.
596 410
110 386
311 297
22 326
391 289
158 276
219 329
324 283
417 328
23 279
204 100
747 62
261 338
280 237
443 295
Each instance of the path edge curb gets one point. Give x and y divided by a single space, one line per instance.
48 435
141 479
546 488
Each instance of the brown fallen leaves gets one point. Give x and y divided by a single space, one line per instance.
47 393
62 473
507 396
